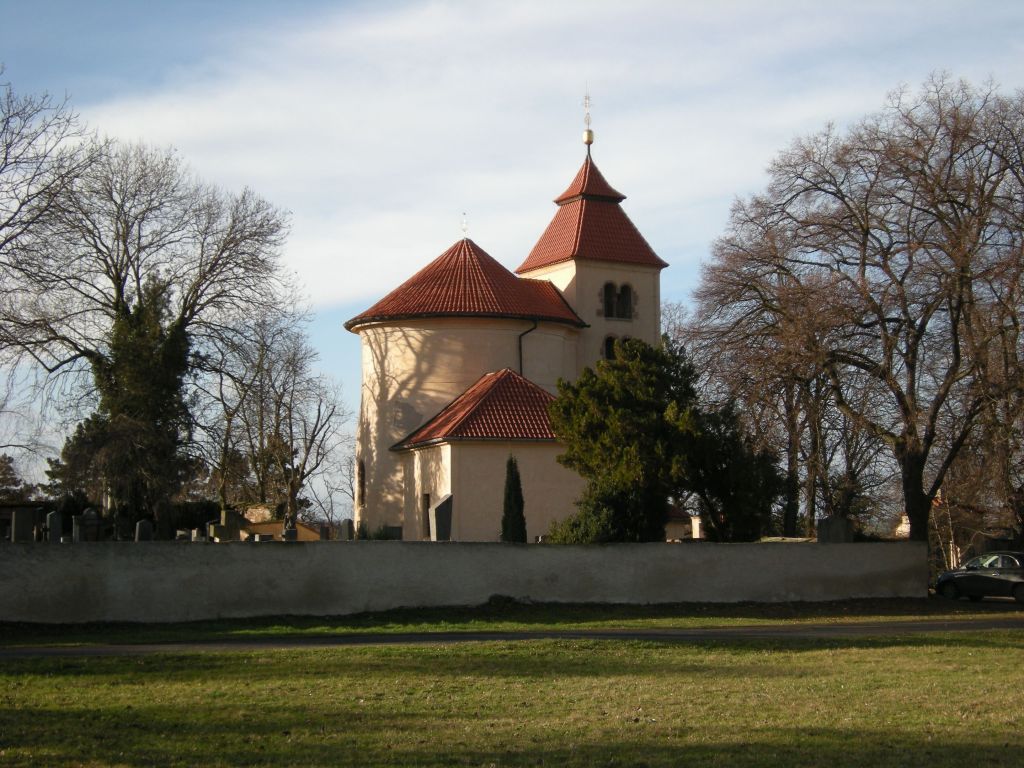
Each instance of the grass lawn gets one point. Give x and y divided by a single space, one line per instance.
509 616
936 700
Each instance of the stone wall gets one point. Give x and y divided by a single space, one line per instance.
173 581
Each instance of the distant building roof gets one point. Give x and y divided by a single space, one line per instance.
306 532
590 225
465 281
501 405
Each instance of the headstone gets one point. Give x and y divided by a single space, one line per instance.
89 525
695 527
85 527
835 530
441 519
54 526
22 522
198 534
144 530
347 531
182 534
290 534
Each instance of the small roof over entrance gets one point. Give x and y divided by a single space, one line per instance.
501 405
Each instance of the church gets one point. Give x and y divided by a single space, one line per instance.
460 362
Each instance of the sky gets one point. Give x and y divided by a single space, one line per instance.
378 125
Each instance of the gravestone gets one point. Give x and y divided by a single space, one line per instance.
347 531
144 530
91 519
54 526
85 527
22 522
835 530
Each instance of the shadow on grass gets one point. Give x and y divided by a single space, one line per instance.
505 614
541 659
236 735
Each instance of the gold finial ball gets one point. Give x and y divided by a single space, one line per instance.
588 137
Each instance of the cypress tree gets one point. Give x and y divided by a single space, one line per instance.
513 520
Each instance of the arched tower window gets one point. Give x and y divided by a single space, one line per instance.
624 302
609 299
609 348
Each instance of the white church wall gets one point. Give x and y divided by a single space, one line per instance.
478 487
549 354
582 283
427 480
413 370
645 324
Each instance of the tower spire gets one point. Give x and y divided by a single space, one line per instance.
588 135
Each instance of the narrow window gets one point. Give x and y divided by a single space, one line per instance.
360 483
609 300
624 303
609 348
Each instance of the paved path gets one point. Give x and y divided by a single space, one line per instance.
794 631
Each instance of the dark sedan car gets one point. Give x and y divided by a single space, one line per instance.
996 574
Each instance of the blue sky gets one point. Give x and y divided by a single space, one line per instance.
378 123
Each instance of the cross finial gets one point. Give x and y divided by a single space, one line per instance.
588 135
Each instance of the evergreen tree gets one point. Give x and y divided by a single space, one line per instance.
634 429
12 488
513 519
627 425
133 443
735 483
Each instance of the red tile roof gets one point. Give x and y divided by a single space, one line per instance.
590 181
501 405
590 225
465 281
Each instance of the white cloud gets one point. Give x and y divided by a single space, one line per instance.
378 126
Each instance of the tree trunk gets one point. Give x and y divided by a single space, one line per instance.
791 510
916 502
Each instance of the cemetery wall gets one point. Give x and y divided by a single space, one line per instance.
179 581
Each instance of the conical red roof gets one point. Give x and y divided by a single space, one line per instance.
500 406
590 225
465 281
590 181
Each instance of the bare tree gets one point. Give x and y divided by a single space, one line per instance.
40 155
271 417
897 281
122 288
135 216
42 151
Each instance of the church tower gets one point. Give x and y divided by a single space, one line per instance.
601 263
